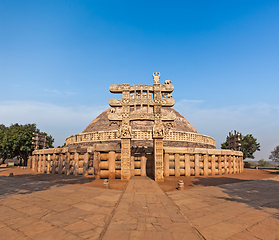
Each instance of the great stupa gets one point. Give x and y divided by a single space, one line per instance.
141 134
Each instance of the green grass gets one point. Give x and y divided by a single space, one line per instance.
272 168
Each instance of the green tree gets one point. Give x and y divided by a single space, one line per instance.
17 141
3 150
249 145
263 163
64 145
274 156
224 145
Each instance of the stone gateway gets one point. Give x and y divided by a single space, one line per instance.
140 135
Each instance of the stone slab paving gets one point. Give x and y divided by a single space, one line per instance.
245 210
32 209
43 210
146 212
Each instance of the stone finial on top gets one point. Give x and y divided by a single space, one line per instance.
156 77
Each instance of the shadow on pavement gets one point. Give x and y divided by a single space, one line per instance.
29 183
259 194
210 181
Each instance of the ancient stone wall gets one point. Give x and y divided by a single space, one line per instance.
99 162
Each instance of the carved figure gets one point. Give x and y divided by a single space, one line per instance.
158 129
169 95
125 130
156 77
112 110
168 82
167 127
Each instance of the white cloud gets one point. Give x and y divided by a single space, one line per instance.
58 121
259 119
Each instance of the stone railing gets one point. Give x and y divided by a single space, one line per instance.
201 161
99 162
140 135
77 161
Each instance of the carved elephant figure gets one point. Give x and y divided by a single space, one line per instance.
169 95
112 110
168 82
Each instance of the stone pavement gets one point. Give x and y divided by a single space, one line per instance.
146 212
32 209
42 210
244 210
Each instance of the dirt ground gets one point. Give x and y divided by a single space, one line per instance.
170 183
88 181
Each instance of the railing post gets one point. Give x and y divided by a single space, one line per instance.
143 164
96 164
187 165
234 165
132 166
205 165
226 164
111 165
40 163
53 163
176 165
213 165
197 165
48 163
76 160
220 165
166 165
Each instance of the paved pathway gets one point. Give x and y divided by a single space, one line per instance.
146 212
32 209
245 210
43 210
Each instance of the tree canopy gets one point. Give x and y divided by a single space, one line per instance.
274 156
249 145
16 140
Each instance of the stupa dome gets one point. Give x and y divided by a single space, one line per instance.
100 131
101 123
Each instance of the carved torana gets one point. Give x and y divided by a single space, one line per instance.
142 102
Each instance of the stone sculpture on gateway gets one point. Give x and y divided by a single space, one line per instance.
137 96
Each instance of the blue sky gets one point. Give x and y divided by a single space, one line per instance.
58 58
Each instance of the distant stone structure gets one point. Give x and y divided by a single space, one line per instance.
40 140
141 134
233 140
